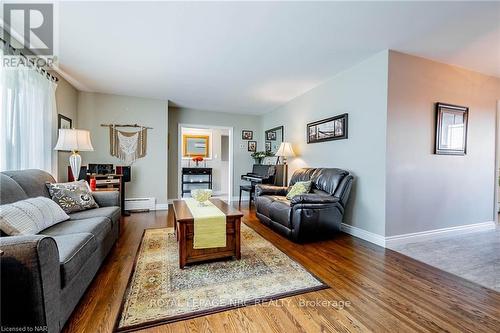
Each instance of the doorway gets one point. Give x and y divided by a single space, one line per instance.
497 169
215 145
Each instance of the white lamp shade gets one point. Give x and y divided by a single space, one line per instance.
285 150
74 140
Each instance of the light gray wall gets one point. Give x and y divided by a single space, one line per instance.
67 104
427 191
242 160
362 92
149 173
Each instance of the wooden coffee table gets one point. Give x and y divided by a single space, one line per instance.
180 215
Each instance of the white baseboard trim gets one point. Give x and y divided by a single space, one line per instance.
363 234
161 206
392 242
398 240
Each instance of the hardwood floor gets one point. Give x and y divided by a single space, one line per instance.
386 291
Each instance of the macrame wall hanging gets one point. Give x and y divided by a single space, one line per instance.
127 146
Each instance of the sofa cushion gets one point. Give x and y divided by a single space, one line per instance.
301 175
263 203
279 211
97 226
10 191
30 216
328 179
73 196
112 212
74 251
32 181
299 188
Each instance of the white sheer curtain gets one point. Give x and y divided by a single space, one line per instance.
28 110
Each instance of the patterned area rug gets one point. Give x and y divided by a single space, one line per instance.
160 292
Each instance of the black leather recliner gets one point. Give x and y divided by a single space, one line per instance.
306 217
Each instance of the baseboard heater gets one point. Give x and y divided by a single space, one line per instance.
137 205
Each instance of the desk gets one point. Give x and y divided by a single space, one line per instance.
111 182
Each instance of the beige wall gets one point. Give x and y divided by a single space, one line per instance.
67 105
427 191
149 174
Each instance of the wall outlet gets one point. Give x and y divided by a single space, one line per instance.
242 146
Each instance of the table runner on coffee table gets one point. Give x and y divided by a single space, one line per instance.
209 225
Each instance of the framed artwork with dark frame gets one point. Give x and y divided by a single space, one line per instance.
246 135
451 129
252 146
270 135
268 147
273 138
64 122
334 128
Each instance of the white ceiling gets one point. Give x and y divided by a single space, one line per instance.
253 57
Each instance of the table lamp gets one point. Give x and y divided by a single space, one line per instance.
285 150
74 140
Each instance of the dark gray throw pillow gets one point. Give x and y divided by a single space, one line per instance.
72 197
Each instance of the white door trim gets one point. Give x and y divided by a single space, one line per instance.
497 165
179 155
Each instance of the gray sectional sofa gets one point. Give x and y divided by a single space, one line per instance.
44 276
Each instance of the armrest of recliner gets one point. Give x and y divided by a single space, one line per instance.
269 190
315 216
312 198
30 284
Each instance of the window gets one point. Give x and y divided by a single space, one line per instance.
28 110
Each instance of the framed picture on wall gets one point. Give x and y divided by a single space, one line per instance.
195 145
268 147
246 135
64 122
451 129
270 135
334 128
252 146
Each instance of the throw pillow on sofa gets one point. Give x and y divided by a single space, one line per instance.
299 188
30 216
72 197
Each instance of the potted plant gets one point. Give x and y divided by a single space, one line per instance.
258 156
